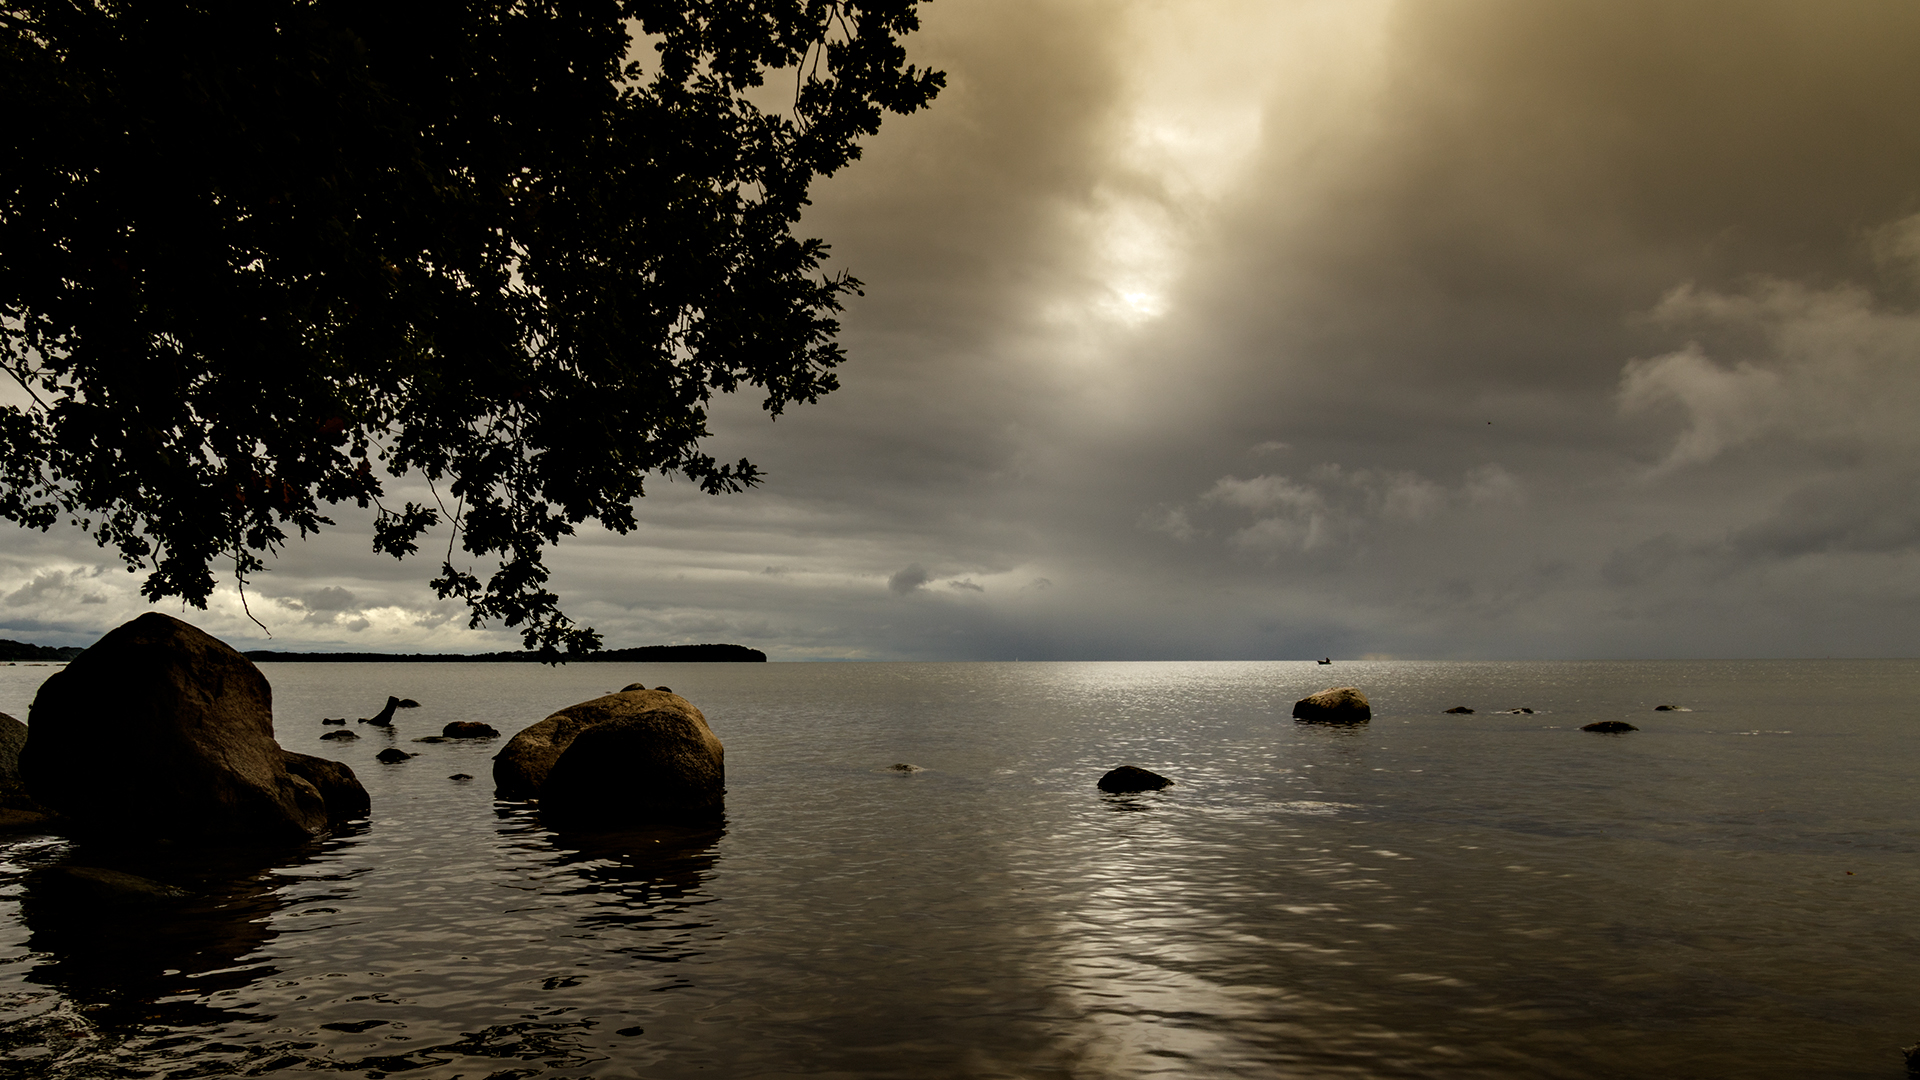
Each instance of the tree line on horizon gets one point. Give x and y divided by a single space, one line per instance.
14 651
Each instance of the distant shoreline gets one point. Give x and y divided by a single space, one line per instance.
645 654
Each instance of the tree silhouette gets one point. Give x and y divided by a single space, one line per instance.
256 255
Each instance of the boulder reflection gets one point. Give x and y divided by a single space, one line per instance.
129 960
637 890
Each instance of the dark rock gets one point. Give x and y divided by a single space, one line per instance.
93 886
627 758
13 788
346 798
334 735
521 766
433 738
393 754
1663 708
461 776
637 770
1129 778
385 716
162 729
1336 705
1913 1059
469 729
14 821
331 720
1524 709
1612 727
1462 710
903 767
409 703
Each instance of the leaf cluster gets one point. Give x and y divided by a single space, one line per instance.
259 257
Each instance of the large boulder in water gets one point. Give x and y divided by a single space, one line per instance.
160 729
1335 705
623 759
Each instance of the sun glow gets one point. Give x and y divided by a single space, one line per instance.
1205 101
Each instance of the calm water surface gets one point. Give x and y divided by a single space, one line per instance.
1729 892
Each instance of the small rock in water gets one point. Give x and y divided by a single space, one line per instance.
1913 1059
1663 708
1523 709
460 776
433 738
1462 710
1128 778
1611 727
331 720
903 767
409 703
341 735
393 754
468 729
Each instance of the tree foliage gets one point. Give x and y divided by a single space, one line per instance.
259 256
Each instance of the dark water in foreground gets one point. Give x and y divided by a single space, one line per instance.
1729 892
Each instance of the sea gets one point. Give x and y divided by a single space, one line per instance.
1731 891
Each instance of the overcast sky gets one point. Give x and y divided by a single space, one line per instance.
1208 330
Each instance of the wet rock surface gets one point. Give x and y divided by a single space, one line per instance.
1334 705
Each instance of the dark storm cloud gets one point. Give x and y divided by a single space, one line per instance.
913 578
1854 513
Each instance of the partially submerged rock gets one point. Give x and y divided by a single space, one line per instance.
93 886
1334 705
393 755
468 729
340 735
1129 778
1609 727
634 757
14 821
13 788
1461 710
384 718
333 720
161 729
346 799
